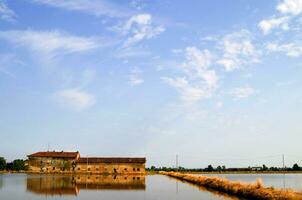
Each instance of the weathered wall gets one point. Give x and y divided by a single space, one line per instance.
52 165
42 164
124 168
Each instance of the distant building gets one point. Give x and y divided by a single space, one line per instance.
256 168
52 161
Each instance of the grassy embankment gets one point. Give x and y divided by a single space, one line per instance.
238 189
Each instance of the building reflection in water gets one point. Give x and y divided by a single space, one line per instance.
71 185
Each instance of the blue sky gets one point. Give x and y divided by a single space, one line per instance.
215 82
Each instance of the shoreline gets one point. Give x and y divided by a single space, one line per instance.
156 172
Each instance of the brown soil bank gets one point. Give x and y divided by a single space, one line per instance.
242 190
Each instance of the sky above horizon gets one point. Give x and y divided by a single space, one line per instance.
214 82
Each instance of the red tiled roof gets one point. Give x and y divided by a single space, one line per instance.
112 160
55 154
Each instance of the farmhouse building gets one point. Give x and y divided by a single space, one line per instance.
111 165
52 161
72 162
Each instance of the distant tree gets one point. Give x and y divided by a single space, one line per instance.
9 166
219 168
153 168
264 168
2 163
296 167
180 168
18 165
209 168
223 168
274 168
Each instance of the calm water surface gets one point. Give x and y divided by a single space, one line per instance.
293 181
31 187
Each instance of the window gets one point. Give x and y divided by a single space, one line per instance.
138 169
125 169
97 169
53 168
88 169
133 169
79 168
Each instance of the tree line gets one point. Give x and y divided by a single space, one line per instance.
223 168
16 165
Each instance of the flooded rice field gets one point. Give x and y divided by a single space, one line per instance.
153 187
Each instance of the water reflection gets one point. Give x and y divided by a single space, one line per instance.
1 181
71 185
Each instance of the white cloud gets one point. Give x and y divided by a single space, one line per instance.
6 13
50 43
242 92
75 99
287 9
267 25
238 51
137 28
199 81
135 77
189 94
293 7
94 7
290 49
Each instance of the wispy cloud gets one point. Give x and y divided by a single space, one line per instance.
238 51
6 13
189 94
7 61
92 7
199 81
50 43
138 28
290 49
135 78
137 4
74 99
242 92
267 25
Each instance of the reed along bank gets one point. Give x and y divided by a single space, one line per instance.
238 189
